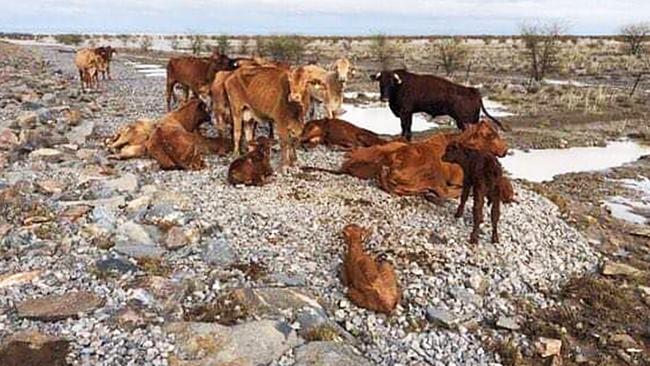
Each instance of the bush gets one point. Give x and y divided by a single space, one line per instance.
69 39
282 48
451 53
223 44
196 43
145 43
383 50
175 43
634 35
541 42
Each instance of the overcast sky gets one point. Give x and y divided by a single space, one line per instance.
328 17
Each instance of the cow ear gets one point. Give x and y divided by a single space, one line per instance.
398 80
376 76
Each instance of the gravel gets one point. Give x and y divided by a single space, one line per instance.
292 226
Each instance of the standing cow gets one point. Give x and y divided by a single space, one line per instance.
409 93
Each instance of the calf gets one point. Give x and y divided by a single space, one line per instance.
371 285
89 65
254 168
338 132
482 173
409 93
337 78
106 53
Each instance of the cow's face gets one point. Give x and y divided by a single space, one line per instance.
483 136
454 153
355 234
388 81
312 134
344 69
296 85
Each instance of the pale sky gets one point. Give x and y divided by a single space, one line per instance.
331 17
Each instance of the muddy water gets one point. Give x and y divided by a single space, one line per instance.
635 210
543 165
149 70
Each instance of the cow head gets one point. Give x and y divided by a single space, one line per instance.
312 134
388 82
483 136
222 62
303 84
454 153
343 68
355 234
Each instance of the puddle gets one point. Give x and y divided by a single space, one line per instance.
575 83
377 117
543 165
149 70
635 210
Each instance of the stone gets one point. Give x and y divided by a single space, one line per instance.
255 343
50 186
619 269
328 354
274 300
178 237
508 323
31 348
27 120
8 139
115 265
219 252
59 307
547 347
465 296
75 212
73 117
47 154
624 341
13 279
442 317
128 183
135 233
79 133
140 251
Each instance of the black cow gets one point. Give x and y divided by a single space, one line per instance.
409 93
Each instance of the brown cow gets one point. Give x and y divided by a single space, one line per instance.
417 168
254 168
195 74
483 174
262 93
129 141
338 132
175 144
106 53
337 78
89 65
371 285
409 93
314 78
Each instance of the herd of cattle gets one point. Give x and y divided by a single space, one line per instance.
239 93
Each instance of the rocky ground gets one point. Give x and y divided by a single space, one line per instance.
105 263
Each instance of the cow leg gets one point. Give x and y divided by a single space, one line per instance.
287 158
81 77
108 71
236 130
170 93
463 199
220 123
249 132
479 201
496 212
271 130
407 122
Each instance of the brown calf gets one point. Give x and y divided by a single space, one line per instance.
254 168
106 53
338 132
482 173
371 285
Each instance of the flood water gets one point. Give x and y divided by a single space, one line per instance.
149 70
635 210
543 165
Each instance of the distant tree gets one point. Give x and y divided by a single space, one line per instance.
175 43
383 50
223 44
197 42
124 38
451 53
634 35
541 41
145 43
69 39
286 48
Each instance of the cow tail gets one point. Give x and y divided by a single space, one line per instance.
317 169
498 123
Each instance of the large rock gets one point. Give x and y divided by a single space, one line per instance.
274 300
59 307
31 348
140 251
8 139
442 317
13 279
619 269
79 133
254 343
328 354
127 183
47 154
219 252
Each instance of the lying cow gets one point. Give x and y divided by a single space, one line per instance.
371 284
412 169
409 93
483 175
89 64
195 74
129 141
254 168
338 132
106 53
